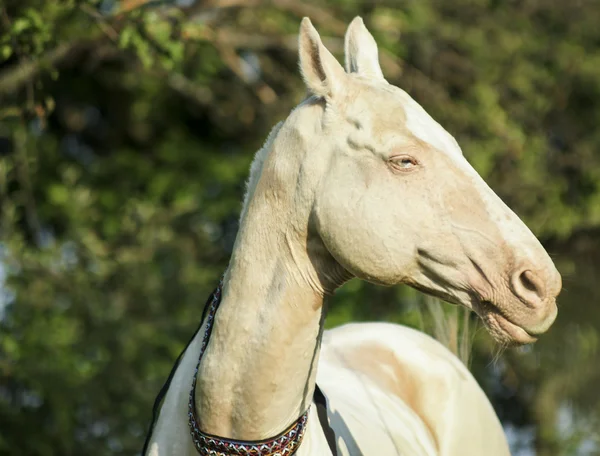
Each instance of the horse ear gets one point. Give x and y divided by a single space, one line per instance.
361 52
322 73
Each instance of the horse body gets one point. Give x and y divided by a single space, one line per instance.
390 390
359 182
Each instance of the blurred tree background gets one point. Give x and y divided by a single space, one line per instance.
126 133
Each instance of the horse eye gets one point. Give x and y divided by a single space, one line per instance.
404 162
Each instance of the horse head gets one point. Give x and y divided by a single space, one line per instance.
385 194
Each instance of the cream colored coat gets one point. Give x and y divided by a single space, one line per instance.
359 182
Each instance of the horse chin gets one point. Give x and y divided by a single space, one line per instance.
501 328
504 331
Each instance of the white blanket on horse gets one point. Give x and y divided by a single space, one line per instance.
391 390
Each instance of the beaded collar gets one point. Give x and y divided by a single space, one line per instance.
285 444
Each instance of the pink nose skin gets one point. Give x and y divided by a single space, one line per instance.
529 287
537 290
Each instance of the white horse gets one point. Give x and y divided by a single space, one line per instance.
358 181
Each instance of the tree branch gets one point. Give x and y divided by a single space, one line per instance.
13 79
188 89
391 67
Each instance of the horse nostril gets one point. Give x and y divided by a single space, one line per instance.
529 287
528 281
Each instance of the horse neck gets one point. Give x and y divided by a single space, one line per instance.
258 373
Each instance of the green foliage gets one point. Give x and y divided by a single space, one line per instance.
126 133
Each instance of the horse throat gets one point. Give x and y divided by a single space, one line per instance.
257 375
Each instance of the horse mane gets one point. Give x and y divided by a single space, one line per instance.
257 166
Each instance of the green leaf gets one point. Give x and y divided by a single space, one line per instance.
5 51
